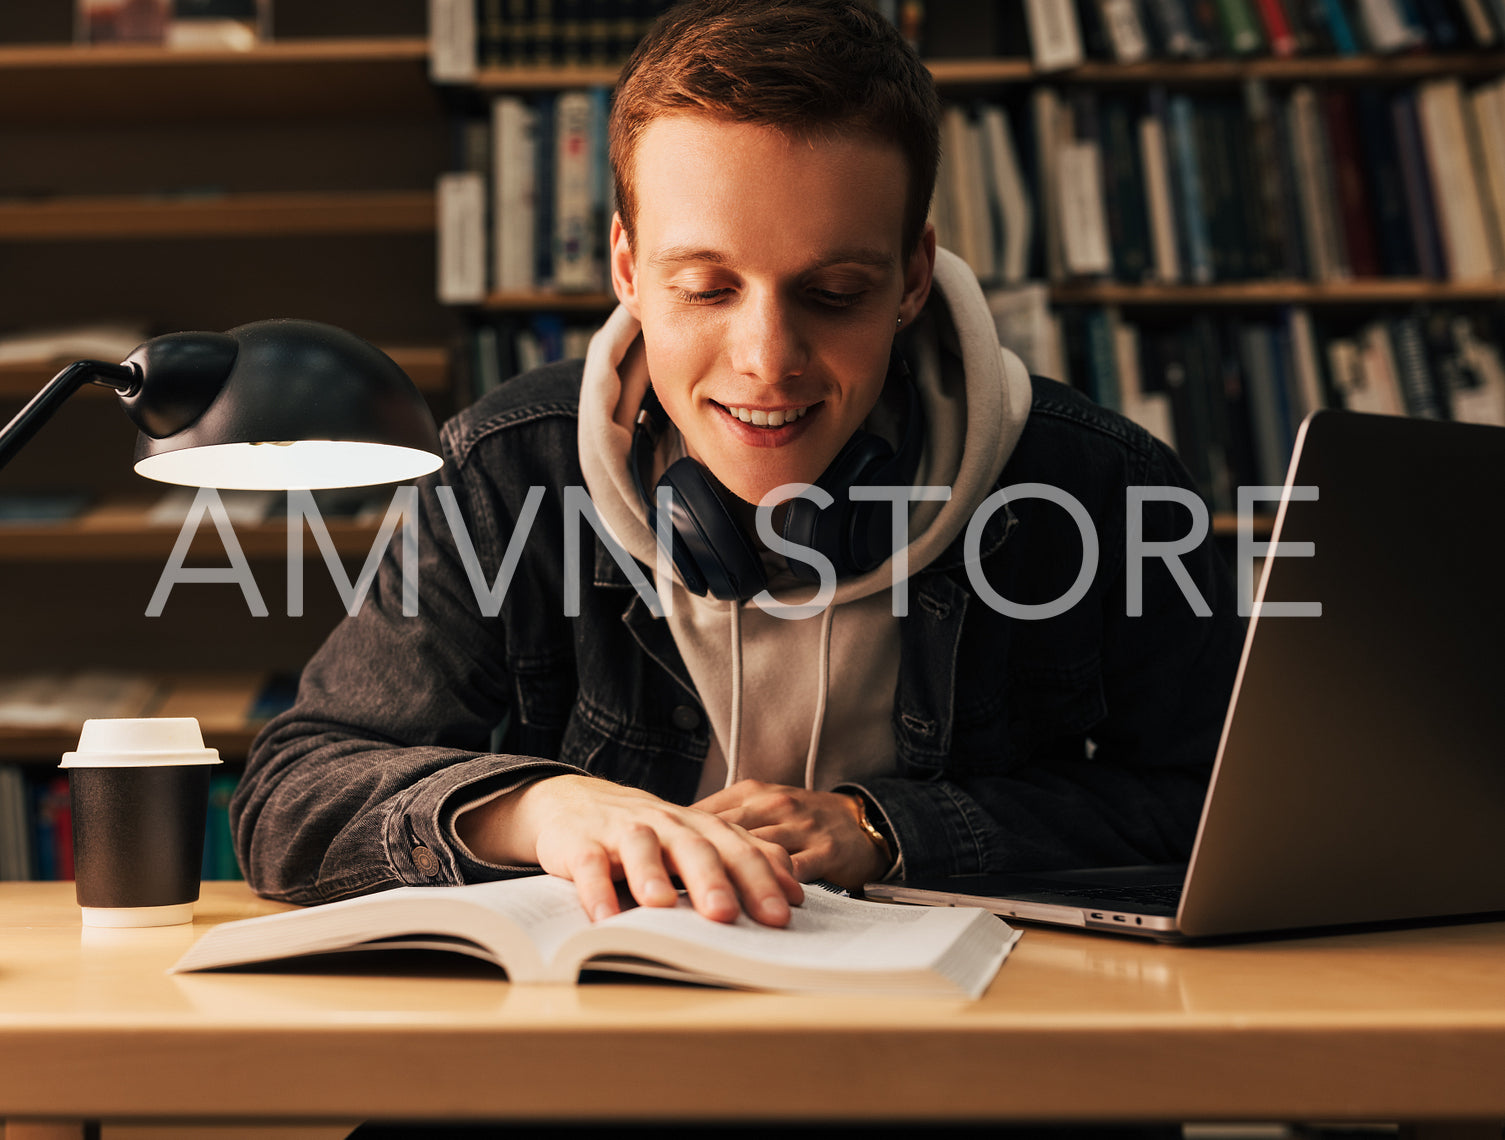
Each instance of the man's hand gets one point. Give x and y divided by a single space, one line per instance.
595 832
818 829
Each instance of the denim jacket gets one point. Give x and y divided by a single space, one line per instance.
1078 739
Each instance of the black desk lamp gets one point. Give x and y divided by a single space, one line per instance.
273 405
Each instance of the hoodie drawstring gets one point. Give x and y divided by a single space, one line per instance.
827 619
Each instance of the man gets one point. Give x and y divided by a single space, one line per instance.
978 698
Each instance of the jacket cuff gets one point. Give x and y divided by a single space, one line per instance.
419 832
937 830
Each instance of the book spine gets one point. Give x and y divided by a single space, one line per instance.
1344 41
1158 193
461 199
1172 23
1454 190
1262 177
1191 207
1315 216
1045 114
1278 31
1125 30
1128 225
1015 225
1055 34
1386 27
1240 28
1417 184
1307 394
1480 26
1102 368
543 190
1380 164
1441 22
574 244
1084 226
1487 157
1416 384
453 48
1357 218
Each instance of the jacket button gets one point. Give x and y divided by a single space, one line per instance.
426 861
686 718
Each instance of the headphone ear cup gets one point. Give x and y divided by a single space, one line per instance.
710 551
841 531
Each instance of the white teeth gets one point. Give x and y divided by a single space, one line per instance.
776 418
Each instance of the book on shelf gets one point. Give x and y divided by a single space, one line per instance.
120 21
580 180
461 203
1055 34
1455 187
535 929
1009 198
17 858
1079 178
224 25
1159 193
453 44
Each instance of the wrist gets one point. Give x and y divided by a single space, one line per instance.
872 830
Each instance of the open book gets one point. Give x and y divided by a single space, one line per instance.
535 929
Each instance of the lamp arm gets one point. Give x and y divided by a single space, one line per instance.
124 378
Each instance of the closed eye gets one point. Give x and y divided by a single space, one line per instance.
700 296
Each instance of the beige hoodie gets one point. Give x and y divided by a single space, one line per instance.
766 681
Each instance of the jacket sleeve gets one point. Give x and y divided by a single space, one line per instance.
1130 790
355 787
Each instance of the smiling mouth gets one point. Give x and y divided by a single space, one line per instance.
758 417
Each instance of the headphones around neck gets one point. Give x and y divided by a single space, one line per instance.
714 555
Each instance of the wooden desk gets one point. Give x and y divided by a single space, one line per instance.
1394 1026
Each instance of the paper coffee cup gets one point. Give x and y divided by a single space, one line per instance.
140 792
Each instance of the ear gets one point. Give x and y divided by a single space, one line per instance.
624 270
918 272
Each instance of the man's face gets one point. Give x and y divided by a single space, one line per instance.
769 276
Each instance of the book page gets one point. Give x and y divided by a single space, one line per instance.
517 922
831 944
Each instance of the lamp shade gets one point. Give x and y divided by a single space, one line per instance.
277 405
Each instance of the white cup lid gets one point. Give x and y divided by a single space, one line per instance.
140 742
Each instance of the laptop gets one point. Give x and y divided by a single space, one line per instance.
1360 777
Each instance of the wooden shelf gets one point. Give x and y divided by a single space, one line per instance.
976 72
1265 292
428 367
225 215
121 532
1225 525
543 301
544 78
1356 292
53 83
1365 68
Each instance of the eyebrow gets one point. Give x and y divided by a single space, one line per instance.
683 254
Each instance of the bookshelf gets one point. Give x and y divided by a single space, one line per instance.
200 189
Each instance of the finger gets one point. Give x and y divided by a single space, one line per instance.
699 865
642 860
778 856
766 887
591 869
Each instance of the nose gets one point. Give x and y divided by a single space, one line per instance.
767 341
